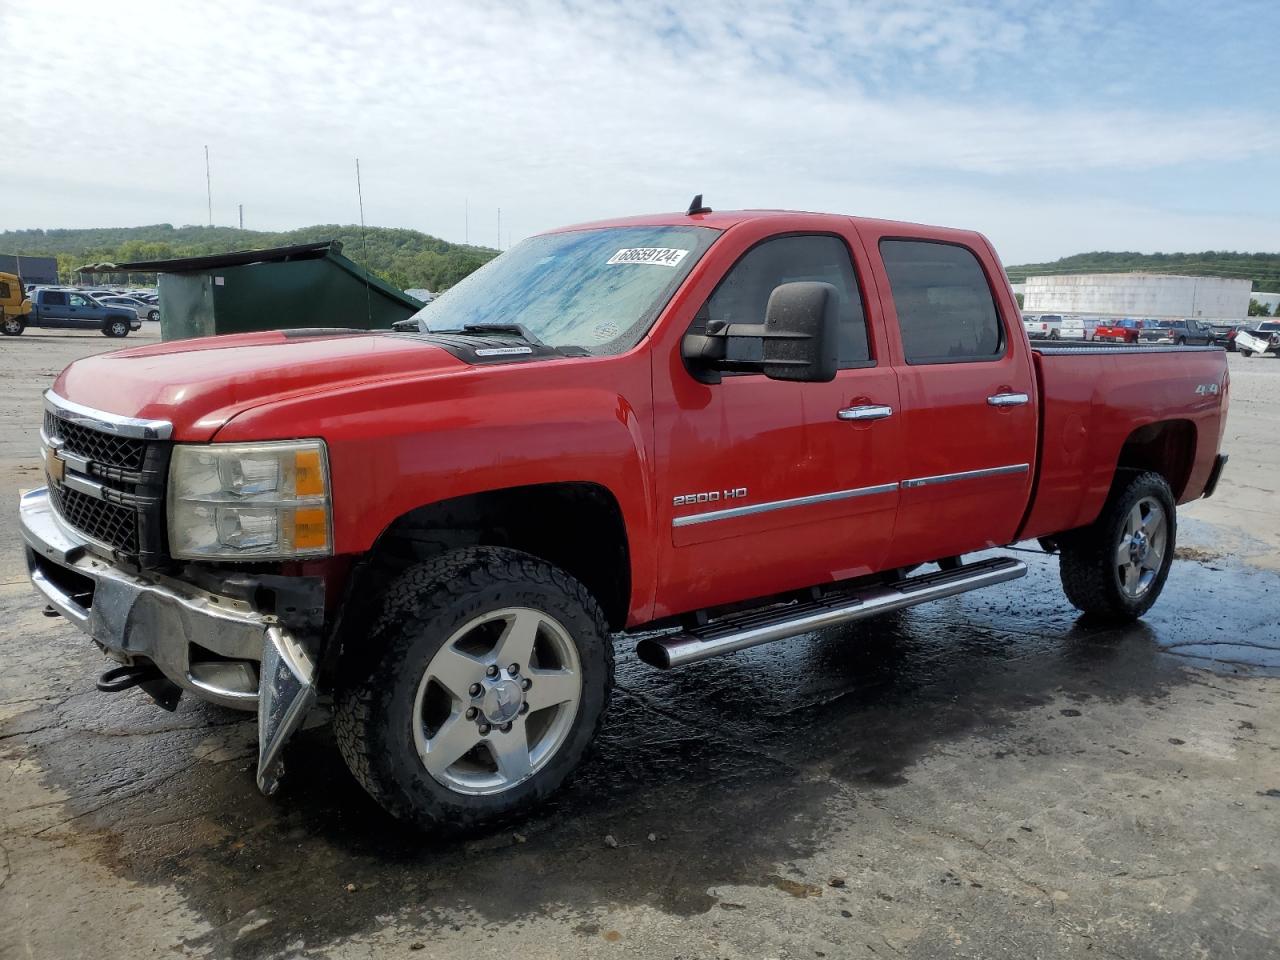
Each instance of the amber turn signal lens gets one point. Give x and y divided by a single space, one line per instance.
310 528
308 477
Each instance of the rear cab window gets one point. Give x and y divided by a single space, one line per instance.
944 302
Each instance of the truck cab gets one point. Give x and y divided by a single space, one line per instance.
701 431
14 305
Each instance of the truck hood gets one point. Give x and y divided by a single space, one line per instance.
198 385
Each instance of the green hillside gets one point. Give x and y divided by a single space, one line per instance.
405 258
1263 269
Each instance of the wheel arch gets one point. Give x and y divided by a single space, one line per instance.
577 526
1167 447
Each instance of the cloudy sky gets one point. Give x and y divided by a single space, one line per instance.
1054 127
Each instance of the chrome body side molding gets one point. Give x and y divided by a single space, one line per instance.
942 478
754 508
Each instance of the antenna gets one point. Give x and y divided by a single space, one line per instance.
499 228
208 183
364 240
696 207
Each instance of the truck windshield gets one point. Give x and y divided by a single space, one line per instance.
599 289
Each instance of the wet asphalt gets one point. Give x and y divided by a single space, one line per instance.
713 762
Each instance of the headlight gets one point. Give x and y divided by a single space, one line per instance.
249 501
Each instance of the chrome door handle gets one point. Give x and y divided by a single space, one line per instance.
872 411
1008 400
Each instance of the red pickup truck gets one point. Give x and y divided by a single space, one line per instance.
704 430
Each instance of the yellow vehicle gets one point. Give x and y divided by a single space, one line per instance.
14 306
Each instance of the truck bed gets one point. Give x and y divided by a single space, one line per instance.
1097 401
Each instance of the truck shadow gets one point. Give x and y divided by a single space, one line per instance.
703 777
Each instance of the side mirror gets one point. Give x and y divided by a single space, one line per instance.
796 342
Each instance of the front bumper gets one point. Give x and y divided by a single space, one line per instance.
215 647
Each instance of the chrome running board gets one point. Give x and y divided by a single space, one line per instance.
739 631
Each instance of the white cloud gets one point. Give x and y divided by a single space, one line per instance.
560 112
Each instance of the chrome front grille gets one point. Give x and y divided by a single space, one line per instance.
111 525
109 477
107 449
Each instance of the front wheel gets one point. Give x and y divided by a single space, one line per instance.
478 691
116 328
1117 566
12 326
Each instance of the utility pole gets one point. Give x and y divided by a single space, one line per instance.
466 221
242 216
499 228
208 183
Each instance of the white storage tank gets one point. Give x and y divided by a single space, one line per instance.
1153 295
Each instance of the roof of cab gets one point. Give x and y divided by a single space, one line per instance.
724 219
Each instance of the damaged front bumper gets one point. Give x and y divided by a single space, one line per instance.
216 647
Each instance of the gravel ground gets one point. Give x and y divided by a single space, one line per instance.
985 777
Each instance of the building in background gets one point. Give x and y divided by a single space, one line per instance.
41 270
308 285
1153 295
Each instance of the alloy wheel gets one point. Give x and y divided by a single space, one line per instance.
497 700
1140 552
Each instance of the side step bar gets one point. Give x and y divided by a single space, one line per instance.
753 628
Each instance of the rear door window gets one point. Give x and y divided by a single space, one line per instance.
55 298
946 310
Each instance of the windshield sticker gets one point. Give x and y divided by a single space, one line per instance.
661 256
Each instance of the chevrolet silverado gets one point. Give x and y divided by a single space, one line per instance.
703 430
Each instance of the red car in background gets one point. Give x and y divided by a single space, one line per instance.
1119 331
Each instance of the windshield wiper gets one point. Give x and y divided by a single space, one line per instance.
519 329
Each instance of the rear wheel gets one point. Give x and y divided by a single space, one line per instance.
1245 353
1117 566
479 689
12 326
116 328
153 315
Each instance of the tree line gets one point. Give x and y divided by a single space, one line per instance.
404 258
1261 269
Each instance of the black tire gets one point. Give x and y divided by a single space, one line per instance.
421 609
1091 575
1245 353
12 326
153 315
116 328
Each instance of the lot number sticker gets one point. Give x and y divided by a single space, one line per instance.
659 256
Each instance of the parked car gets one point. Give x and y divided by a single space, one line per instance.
703 431
1178 332
1261 339
1078 328
1119 331
145 311
53 307
1224 333
1048 327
